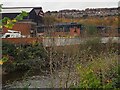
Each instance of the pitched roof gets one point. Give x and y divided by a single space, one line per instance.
17 9
35 13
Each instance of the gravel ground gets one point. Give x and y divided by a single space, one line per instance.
56 80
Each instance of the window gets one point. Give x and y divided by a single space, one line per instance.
7 36
66 29
75 31
59 29
40 30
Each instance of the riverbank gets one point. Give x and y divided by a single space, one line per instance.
62 78
57 79
68 66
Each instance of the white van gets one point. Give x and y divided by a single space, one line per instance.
12 34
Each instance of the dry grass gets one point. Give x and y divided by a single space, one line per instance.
107 21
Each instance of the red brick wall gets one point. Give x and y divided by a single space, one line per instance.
71 33
75 31
23 27
58 34
22 40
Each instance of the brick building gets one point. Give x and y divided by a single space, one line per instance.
60 29
27 26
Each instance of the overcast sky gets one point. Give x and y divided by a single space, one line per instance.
54 5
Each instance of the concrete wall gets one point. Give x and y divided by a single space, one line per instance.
72 41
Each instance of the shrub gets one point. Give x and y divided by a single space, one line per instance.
101 72
24 56
8 49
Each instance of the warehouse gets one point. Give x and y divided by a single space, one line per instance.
27 26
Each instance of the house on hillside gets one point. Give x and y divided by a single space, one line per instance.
107 31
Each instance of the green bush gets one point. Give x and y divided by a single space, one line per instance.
101 72
23 56
89 79
8 49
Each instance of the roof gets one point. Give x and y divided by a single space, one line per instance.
67 24
17 9
62 25
35 13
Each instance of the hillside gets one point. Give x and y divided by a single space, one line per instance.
106 21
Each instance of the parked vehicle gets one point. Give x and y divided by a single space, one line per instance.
12 34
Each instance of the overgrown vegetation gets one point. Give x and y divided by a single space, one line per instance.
99 73
88 65
22 57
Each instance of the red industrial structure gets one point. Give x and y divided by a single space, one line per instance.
59 30
27 28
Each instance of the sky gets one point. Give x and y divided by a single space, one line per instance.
54 5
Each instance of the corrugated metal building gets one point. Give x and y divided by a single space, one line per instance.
35 13
28 25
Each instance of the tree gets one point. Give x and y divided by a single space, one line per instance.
9 23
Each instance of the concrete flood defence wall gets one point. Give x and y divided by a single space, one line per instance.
61 41
112 39
72 41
